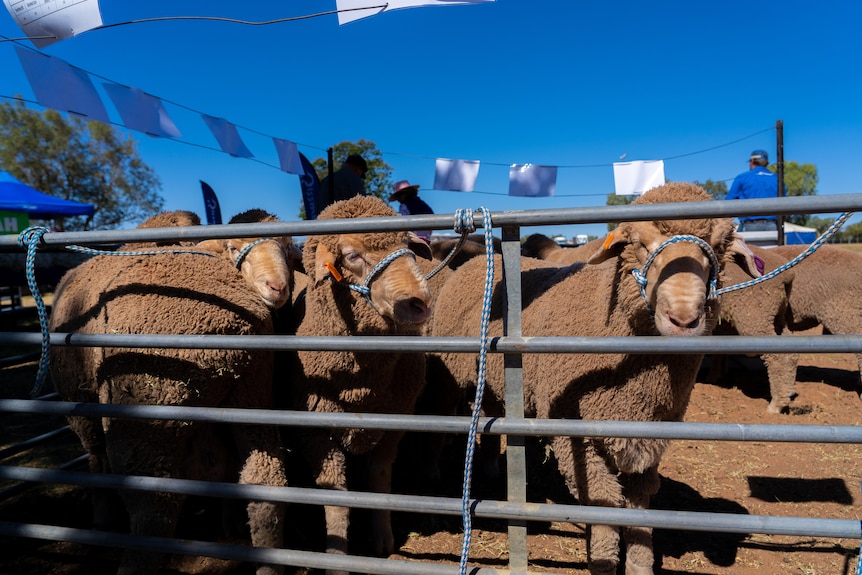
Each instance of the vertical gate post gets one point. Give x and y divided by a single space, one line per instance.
516 464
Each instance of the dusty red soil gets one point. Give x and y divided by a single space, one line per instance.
755 478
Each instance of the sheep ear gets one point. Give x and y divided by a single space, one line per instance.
215 246
322 257
418 246
291 253
747 260
611 248
294 257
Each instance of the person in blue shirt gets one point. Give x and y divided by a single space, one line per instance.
757 182
407 195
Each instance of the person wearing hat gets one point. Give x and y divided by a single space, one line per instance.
757 182
407 195
347 182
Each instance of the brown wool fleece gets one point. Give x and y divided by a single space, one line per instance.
169 294
587 300
352 381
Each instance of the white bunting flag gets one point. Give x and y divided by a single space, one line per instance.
288 157
228 137
59 86
634 178
359 9
49 21
456 175
142 112
533 181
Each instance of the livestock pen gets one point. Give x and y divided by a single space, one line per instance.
515 509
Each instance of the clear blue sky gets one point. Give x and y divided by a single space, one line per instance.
553 82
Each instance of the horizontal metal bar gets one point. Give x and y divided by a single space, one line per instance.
18 488
18 359
662 519
712 344
32 442
232 552
563 216
782 433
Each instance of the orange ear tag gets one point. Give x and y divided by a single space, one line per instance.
335 275
608 241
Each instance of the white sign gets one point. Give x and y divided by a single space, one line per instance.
49 21
358 9
456 175
634 178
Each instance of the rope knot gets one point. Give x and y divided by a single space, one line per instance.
464 223
31 236
639 278
30 239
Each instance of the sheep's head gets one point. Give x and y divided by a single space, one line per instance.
678 277
398 291
171 219
267 264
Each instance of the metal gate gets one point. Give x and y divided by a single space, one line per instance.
515 509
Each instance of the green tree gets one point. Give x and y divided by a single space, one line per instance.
799 180
822 224
87 162
715 189
377 179
618 200
850 233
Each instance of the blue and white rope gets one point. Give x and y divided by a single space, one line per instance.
859 560
815 245
463 225
245 251
641 275
464 219
365 288
30 239
94 252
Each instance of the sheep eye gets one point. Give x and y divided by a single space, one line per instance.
352 257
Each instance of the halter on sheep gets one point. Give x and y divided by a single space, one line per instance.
641 275
364 289
245 251
30 238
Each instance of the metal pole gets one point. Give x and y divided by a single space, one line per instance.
516 458
779 159
330 179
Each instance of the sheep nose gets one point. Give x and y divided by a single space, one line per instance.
277 287
684 320
413 310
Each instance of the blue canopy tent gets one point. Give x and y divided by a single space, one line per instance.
18 197
21 198
795 235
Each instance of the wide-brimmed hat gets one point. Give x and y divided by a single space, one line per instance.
403 189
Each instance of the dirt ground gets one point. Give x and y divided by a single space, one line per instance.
755 478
